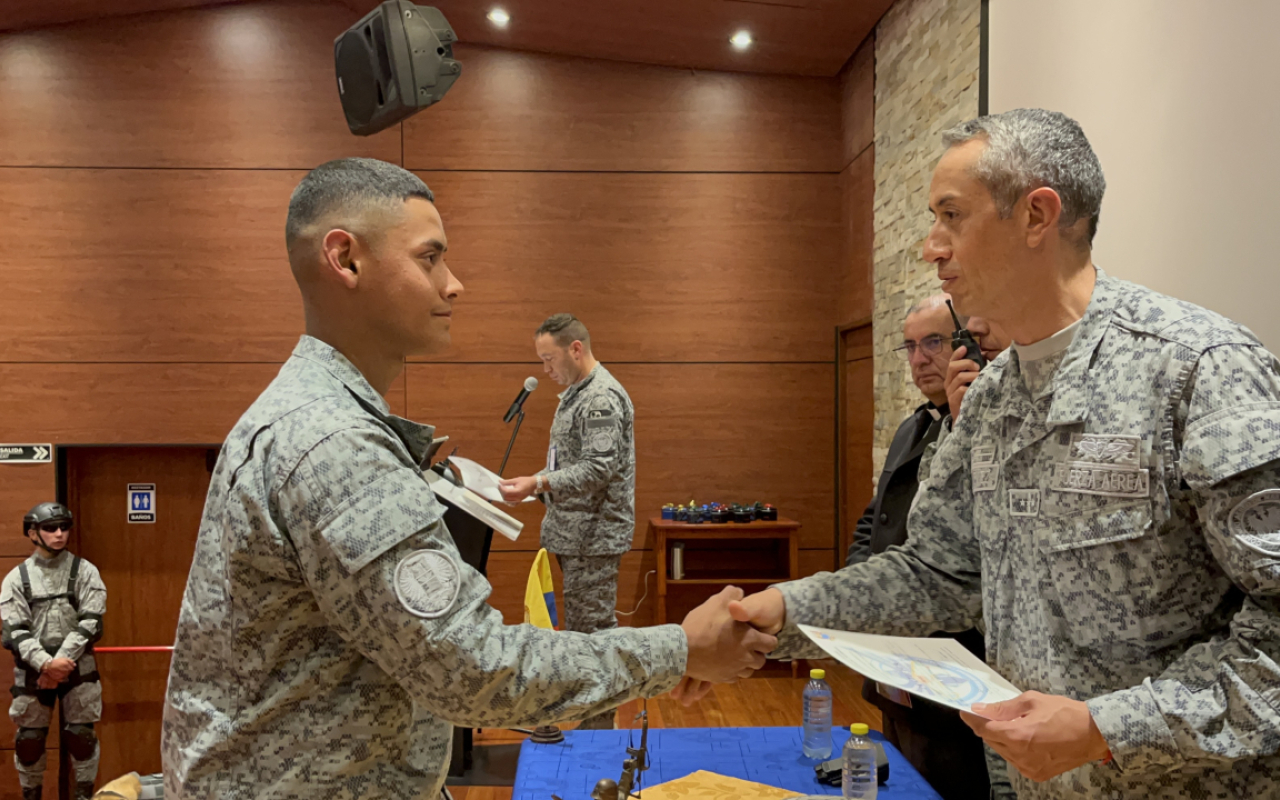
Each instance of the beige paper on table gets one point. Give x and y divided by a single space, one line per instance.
703 785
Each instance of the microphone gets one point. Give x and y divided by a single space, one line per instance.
530 384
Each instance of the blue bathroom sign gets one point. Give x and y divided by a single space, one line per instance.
142 502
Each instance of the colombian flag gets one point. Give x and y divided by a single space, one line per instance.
540 594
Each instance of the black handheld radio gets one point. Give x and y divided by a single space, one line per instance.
962 338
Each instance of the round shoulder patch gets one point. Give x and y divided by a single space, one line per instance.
427 583
602 442
1255 521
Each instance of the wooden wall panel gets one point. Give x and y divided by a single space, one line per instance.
525 111
858 425
127 403
858 101
814 561
661 267
249 86
509 572
729 432
858 197
149 265
21 487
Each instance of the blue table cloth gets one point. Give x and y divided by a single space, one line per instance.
771 756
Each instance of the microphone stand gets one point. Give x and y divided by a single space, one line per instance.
543 734
510 444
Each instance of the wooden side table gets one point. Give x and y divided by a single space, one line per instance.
785 531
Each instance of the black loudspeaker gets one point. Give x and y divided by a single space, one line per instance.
392 64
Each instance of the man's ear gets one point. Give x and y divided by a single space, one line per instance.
338 254
1044 209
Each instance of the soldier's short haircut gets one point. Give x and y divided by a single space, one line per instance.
1028 148
349 187
565 329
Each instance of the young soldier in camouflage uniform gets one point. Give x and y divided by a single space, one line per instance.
589 484
52 605
1109 500
330 635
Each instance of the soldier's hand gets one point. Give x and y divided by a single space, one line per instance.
59 669
1041 735
961 372
517 489
721 649
45 681
765 611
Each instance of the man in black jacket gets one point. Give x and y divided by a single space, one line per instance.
932 737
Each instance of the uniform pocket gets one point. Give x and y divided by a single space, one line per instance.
1116 588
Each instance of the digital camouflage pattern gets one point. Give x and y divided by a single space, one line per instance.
330 636
1119 533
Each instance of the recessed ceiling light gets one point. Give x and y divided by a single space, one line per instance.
741 40
499 17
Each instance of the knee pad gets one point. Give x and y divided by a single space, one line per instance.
81 741
29 745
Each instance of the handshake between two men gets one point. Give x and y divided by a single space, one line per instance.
729 637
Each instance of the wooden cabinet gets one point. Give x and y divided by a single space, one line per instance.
750 555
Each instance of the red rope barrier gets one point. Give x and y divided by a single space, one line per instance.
164 649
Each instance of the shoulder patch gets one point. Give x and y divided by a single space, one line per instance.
427 583
1255 521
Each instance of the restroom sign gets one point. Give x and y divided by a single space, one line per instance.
142 502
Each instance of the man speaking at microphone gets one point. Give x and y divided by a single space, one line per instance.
589 484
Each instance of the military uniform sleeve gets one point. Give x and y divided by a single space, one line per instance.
16 614
92 597
932 583
383 569
601 424
1220 700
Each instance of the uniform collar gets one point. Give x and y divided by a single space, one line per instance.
580 385
418 438
1070 383
337 365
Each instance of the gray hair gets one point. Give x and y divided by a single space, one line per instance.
1028 148
349 186
565 329
929 303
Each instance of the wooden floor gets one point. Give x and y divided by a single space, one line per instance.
770 698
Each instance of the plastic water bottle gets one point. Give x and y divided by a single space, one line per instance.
817 716
859 774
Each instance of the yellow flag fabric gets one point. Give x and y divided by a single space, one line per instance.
540 594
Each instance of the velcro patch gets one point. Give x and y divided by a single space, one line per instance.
602 442
1024 502
1255 522
1086 478
427 583
600 422
1098 448
985 477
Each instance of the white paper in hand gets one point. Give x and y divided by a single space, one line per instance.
480 480
941 670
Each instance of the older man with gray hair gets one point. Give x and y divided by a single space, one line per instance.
1108 502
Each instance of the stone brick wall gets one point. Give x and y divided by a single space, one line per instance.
926 81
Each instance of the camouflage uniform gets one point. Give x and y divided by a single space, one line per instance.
52 608
1119 531
591 516
330 633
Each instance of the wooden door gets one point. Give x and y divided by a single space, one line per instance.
144 567
857 421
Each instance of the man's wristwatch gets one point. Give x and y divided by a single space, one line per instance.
540 485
